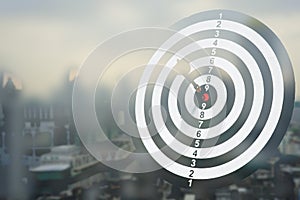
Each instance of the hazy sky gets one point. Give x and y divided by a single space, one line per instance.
41 40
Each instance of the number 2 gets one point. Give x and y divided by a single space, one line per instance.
191 173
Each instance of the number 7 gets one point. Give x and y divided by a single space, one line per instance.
200 124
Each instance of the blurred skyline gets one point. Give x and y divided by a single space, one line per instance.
41 41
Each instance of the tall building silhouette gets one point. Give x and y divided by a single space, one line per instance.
11 109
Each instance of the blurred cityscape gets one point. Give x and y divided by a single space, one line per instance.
41 157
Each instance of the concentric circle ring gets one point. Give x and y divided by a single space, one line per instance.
270 125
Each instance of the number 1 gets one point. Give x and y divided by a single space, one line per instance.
190 182
221 15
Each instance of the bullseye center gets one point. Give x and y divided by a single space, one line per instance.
205 97
205 94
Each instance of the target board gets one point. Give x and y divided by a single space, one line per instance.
213 99
229 102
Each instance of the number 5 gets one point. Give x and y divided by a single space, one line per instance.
197 143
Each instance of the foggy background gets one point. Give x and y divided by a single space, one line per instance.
40 41
43 43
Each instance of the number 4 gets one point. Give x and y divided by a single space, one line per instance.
215 42
195 153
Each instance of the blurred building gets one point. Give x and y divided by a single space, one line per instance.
290 144
34 125
296 114
10 115
39 127
50 123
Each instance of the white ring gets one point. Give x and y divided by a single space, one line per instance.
244 131
233 115
211 132
266 133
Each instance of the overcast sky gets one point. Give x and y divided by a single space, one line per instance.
41 40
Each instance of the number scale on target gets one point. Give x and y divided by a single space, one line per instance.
229 103
213 100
